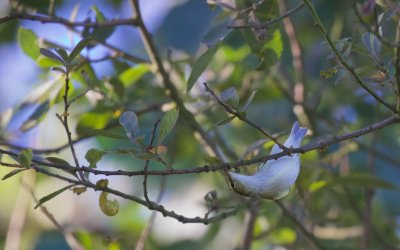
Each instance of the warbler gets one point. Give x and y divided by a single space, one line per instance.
274 177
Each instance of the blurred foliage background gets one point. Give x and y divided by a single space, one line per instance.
347 194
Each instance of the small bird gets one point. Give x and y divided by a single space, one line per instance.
275 177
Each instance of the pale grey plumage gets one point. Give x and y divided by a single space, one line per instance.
275 177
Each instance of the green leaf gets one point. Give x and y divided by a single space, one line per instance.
28 41
59 69
92 120
212 160
101 132
230 96
372 43
36 117
132 75
225 121
108 207
102 183
51 54
130 123
276 43
101 33
99 15
249 100
201 64
63 54
328 73
167 124
137 153
41 93
5 117
93 156
79 47
79 190
85 75
12 173
25 157
47 62
52 195
218 31
235 54
63 162
284 235
57 160
255 45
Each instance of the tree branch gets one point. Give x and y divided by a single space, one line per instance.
109 126
251 218
66 22
321 144
173 91
69 237
267 23
72 25
298 224
340 58
64 120
152 206
243 118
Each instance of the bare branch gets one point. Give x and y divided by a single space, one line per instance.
267 23
397 67
374 31
64 120
69 237
243 118
66 22
299 224
251 218
321 144
168 84
350 70
111 125
153 135
152 206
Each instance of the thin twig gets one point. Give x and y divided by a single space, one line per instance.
66 22
78 97
300 225
111 125
397 67
15 228
357 211
340 58
243 118
64 120
299 87
146 231
69 237
389 158
267 23
71 26
168 84
369 194
150 145
251 217
321 144
12 165
153 206
374 31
